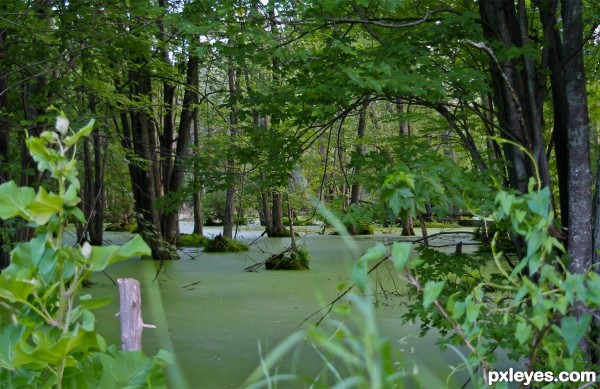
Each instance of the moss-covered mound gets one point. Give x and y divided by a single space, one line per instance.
289 260
362 228
224 245
281 234
193 240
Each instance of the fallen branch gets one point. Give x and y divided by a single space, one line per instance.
329 306
192 284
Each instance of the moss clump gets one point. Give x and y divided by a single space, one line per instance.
224 245
121 227
362 228
193 240
289 260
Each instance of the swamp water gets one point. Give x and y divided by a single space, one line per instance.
213 315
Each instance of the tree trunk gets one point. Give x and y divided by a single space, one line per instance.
579 181
230 192
277 214
407 226
553 44
360 151
93 187
4 140
175 180
516 92
143 176
197 196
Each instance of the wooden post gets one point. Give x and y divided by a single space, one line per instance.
130 312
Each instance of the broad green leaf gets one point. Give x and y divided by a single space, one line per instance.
85 131
16 291
431 291
88 302
45 349
472 310
523 331
136 247
14 200
101 257
70 197
45 157
44 206
9 334
400 254
374 253
573 330
359 274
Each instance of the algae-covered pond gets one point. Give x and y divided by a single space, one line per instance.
213 315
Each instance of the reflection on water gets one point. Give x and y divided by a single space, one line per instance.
216 314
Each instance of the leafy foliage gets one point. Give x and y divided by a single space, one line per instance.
50 340
545 310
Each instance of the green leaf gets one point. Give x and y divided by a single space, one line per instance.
44 206
472 311
431 291
523 332
85 131
101 257
374 253
359 274
88 302
16 291
136 247
573 330
45 349
400 254
14 200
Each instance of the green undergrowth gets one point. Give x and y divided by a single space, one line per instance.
289 260
221 244
193 240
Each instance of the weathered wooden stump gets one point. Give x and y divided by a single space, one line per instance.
130 313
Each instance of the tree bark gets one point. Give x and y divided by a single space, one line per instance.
231 187
143 176
579 181
175 180
516 95
277 214
197 196
360 151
